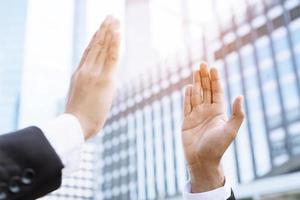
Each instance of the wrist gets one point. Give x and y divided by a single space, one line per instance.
84 127
206 177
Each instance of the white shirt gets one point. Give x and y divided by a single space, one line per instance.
65 135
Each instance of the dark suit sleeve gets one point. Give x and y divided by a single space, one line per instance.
232 196
29 166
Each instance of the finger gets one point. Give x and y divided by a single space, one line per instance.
216 86
108 42
94 40
113 54
101 57
99 46
187 107
86 51
205 83
237 117
114 48
105 29
196 92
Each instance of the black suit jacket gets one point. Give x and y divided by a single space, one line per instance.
29 166
232 196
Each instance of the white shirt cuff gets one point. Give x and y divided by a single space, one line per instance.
65 135
222 193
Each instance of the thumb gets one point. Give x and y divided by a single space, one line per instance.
237 117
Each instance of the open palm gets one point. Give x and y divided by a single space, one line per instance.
94 81
206 130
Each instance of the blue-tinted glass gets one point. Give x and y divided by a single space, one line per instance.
235 86
149 153
140 156
247 60
278 146
285 67
267 74
225 88
272 98
244 154
273 109
169 154
220 64
251 81
290 99
255 105
269 84
296 36
259 134
289 87
177 117
232 65
131 137
234 79
280 43
12 39
160 176
298 62
264 52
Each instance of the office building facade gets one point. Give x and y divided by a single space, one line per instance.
139 156
29 56
258 55
12 41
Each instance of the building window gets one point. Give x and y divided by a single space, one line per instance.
289 89
140 155
269 84
255 114
294 130
242 141
150 183
169 153
159 159
279 150
177 119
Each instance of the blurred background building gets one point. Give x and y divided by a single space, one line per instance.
11 59
254 43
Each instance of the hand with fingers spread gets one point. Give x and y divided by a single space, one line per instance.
206 130
93 83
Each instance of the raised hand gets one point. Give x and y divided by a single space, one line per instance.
206 130
93 83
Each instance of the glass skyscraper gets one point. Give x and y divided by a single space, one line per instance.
23 63
12 39
257 51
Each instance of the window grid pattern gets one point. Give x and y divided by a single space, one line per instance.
263 66
79 185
